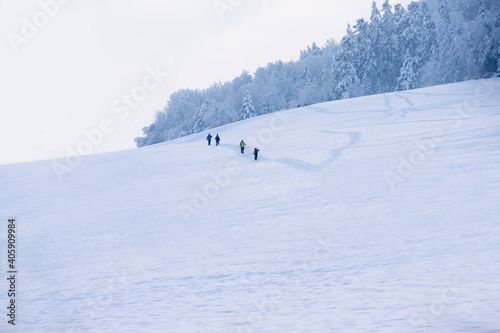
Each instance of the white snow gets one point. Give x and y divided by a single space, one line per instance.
374 214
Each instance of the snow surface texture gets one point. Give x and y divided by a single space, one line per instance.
374 214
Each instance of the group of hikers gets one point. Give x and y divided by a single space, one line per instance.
217 139
242 145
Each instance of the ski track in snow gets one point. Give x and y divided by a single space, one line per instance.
309 238
354 138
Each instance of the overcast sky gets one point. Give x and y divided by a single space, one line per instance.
63 73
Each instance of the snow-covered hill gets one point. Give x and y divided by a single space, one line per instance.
375 214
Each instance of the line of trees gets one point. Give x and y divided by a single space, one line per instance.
431 42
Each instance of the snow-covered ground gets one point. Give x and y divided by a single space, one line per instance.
374 214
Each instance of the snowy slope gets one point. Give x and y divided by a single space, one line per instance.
375 214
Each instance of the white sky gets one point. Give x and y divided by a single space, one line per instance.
65 78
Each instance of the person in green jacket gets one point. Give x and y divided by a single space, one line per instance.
242 146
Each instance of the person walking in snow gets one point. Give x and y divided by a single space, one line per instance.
256 153
217 140
209 139
242 146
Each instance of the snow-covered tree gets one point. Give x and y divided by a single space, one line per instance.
386 11
427 46
366 55
199 125
375 15
247 109
348 83
408 78
387 50
489 50
451 63
311 50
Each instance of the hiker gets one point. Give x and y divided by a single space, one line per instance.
242 146
217 140
256 153
209 139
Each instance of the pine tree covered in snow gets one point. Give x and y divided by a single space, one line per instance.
344 67
388 51
451 64
488 53
408 78
247 109
199 124
372 81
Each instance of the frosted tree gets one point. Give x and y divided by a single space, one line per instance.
427 43
418 38
315 50
494 47
408 78
306 76
311 50
155 132
401 29
414 28
451 64
309 92
366 59
326 81
247 109
217 116
386 11
199 125
347 80
397 45
243 80
444 13
375 37
388 50
266 108
489 49
375 15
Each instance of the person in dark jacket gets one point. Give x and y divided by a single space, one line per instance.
217 140
209 139
242 146
256 153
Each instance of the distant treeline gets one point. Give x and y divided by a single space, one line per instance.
429 43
